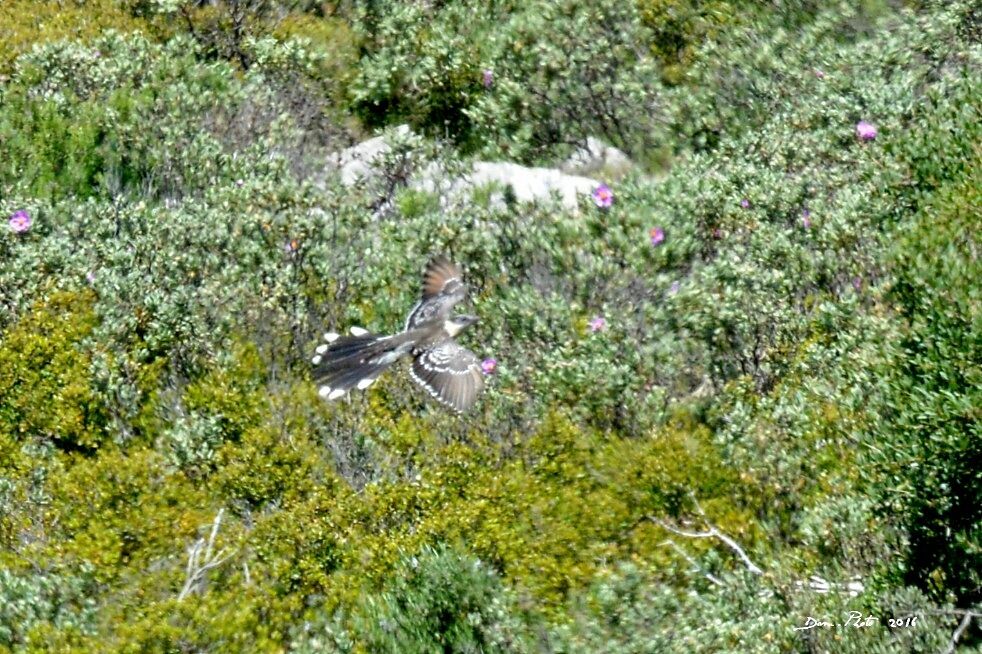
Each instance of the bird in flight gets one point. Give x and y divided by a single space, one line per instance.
450 372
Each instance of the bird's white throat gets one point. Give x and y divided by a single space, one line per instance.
452 328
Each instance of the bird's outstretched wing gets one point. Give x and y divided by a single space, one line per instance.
451 373
442 276
443 287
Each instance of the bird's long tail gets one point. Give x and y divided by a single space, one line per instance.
346 362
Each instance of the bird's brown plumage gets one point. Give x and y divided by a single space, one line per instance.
448 371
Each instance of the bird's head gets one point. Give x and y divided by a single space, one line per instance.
458 324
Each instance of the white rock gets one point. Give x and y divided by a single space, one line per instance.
597 156
360 162
533 184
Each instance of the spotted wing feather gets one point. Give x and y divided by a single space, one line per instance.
451 374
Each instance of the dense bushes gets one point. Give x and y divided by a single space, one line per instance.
25 24
523 81
935 396
776 339
124 116
44 377
564 71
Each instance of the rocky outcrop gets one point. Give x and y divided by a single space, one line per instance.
527 184
596 156
361 161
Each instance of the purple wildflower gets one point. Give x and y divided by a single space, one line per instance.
487 78
90 277
597 324
806 219
745 203
603 197
657 235
857 283
717 233
20 221
819 73
865 131
674 288
489 366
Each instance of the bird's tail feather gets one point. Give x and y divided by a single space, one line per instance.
347 362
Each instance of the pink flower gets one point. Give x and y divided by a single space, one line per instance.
865 131
819 73
489 366
857 283
90 277
745 203
657 235
487 78
603 197
20 221
806 219
597 324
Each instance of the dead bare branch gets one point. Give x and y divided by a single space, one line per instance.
199 565
711 532
962 626
708 575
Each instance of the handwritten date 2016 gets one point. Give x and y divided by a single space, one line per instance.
855 620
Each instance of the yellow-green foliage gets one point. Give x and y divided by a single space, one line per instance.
26 23
44 377
547 516
264 467
235 394
752 362
122 511
679 27
329 36
229 622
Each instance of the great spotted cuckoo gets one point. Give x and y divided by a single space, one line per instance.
450 372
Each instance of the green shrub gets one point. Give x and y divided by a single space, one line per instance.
47 390
421 63
796 354
31 598
630 610
25 24
124 116
679 26
935 486
437 601
556 74
564 71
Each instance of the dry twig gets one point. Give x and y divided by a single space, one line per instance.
198 564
